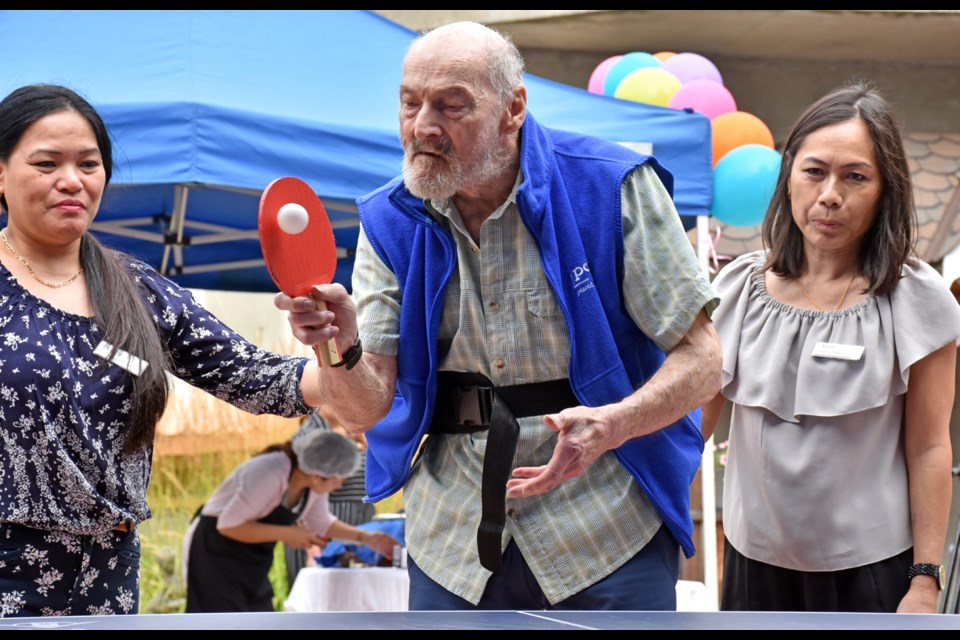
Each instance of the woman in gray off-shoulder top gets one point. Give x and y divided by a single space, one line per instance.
839 348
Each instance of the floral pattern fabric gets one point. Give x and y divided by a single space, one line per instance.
63 409
55 573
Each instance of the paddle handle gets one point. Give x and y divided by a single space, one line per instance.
327 353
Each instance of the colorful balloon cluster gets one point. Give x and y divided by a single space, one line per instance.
745 162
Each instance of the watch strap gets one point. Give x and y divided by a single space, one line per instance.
351 356
935 571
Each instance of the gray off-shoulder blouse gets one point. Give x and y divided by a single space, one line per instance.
816 477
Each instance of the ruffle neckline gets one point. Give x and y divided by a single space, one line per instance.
768 346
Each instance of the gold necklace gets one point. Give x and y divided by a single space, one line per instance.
52 285
842 298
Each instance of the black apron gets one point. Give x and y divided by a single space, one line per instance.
227 575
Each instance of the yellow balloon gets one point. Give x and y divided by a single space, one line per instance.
649 85
664 55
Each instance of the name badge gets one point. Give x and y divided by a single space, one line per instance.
838 351
121 358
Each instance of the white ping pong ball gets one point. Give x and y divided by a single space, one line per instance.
292 218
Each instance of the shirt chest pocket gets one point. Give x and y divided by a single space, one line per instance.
541 303
540 332
538 338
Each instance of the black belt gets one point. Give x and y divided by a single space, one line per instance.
469 402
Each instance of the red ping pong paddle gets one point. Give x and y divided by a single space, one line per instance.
298 245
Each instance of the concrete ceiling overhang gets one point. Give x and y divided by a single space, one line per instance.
929 36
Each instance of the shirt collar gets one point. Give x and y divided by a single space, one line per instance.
445 208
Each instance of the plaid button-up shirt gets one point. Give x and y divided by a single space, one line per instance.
501 319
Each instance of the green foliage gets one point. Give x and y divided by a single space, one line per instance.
179 486
278 578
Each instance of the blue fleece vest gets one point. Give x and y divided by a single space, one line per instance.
570 202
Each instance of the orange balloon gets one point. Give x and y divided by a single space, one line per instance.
735 129
664 55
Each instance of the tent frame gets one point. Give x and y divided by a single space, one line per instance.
181 232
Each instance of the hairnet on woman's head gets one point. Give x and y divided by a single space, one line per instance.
312 422
326 453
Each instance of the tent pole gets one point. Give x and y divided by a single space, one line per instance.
180 193
708 523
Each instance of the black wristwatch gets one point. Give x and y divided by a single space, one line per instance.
933 570
351 356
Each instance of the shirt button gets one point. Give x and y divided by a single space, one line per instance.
499 363
512 512
494 307
475 250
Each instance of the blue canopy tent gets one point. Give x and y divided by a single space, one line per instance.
208 107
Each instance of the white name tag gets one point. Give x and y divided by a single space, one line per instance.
121 358
839 351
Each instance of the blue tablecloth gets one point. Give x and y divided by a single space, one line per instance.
394 527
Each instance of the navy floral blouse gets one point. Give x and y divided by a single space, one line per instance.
63 408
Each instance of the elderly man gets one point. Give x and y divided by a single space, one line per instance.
528 298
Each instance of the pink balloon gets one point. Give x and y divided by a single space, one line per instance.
704 96
692 66
600 74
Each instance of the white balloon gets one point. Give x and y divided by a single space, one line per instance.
292 218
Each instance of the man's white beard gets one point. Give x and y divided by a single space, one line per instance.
440 178
434 177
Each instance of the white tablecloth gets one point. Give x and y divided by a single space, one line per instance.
693 596
361 589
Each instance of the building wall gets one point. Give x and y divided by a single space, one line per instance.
926 97
774 88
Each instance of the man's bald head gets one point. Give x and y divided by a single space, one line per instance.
492 54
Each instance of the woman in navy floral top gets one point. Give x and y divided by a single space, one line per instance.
87 335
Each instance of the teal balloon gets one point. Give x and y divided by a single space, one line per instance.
624 67
743 183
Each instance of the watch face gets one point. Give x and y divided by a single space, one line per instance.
942 577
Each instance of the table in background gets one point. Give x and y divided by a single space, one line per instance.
341 589
693 596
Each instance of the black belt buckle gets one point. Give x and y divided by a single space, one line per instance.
474 405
